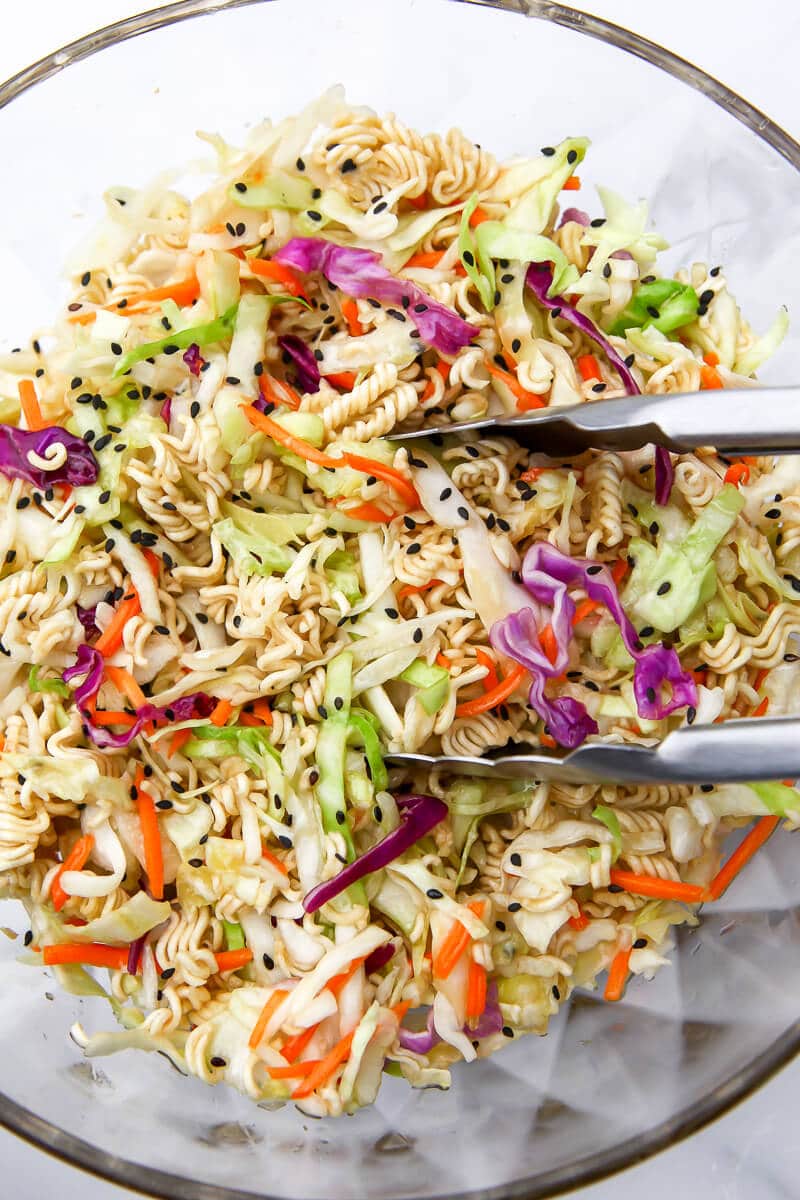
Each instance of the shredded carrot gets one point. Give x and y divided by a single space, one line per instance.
89 954
278 392
491 679
151 836
29 403
419 202
709 379
619 570
656 889
443 662
288 440
711 358
369 512
491 699
370 466
429 261
753 841
323 1071
296 1071
414 589
532 474
251 721
758 682
111 638
350 313
273 861
617 975
573 184
737 473
546 740
580 922
548 643
476 991
525 400
153 562
76 860
178 741
262 710
182 293
336 983
277 998
343 379
293 1047
588 367
278 273
222 710
105 716
126 685
233 960
584 609
443 367
762 708
479 215
454 944
401 1009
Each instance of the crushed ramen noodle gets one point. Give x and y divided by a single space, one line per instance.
226 594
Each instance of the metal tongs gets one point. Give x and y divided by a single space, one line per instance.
754 420
734 752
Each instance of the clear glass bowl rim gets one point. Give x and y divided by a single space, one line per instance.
79 1153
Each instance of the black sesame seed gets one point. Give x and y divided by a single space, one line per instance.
314 215
791 658
572 157
598 387
702 310
706 297
691 713
706 787
340 817
195 862
595 569
614 887
640 944
507 278
163 804
556 993
646 631
591 685
417 636
347 166
446 493
414 548
597 222
318 355
653 311
162 629
630 360
503 524
102 442
396 314
548 151
463 512
514 906
653 527
469 258
286 842
663 588
216 1061
380 207
772 513
516 860
232 379
434 894
714 272
607 271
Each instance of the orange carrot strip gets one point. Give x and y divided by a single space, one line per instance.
584 609
297 1071
443 662
709 379
182 293
336 984
491 699
491 679
278 273
153 562
617 975
711 358
262 710
288 440
342 379
76 860
273 861
426 260
111 638
762 708
250 720
89 954
105 716
29 403
547 640
758 682
546 740
579 922
479 215
532 474
277 393
573 184
656 889
401 1009
414 589
619 570
737 473
419 202
126 685
524 398
293 1047
151 837
178 741
455 943
752 842
369 512
443 367
233 960
221 711
588 367
277 998
350 313
325 1069
476 991
370 466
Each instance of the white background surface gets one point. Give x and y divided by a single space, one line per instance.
753 1153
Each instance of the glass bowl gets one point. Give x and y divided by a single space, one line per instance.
610 1084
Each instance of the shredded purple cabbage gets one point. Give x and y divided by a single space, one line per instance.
574 214
87 616
539 279
547 573
88 663
135 950
79 469
360 273
187 708
665 475
422 1041
418 816
194 359
303 358
379 958
166 411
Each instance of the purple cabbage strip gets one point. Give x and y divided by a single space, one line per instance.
574 214
89 663
418 816
423 1041
87 616
135 950
194 359
379 957
79 469
303 358
539 279
166 411
361 274
187 708
665 475
547 573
